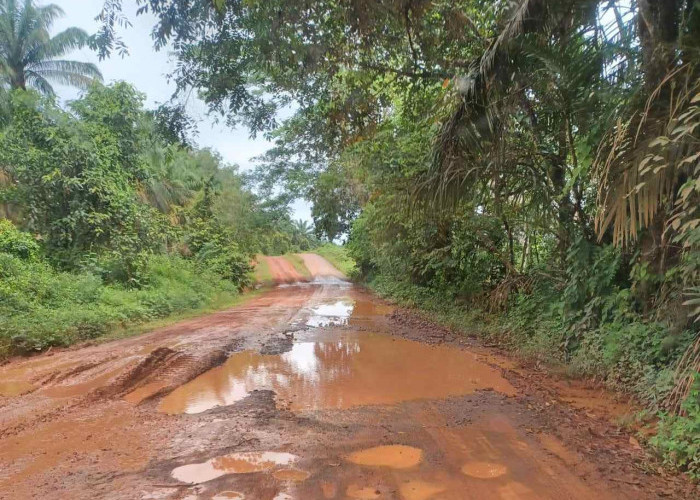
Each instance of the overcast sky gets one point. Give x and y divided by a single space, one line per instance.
146 69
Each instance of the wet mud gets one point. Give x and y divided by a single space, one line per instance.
314 390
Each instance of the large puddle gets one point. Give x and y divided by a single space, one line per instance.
235 463
340 372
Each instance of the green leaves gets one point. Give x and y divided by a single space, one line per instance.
30 56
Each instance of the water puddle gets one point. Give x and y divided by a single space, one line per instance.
343 372
294 475
11 388
235 463
228 495
394 456
145 391
484 470
336 313
598 402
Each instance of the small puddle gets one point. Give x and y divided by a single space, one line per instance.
349 371
395 456
295 475
235 463
145 391
228 495
336 313
484 470
10 388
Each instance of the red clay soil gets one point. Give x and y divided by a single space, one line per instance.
315 391
283 271
318 266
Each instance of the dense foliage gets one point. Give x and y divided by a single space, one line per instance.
120 222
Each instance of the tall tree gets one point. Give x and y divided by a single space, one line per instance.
31 57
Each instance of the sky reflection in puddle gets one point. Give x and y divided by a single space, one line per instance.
336 313
348 371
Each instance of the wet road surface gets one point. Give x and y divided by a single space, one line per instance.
314 390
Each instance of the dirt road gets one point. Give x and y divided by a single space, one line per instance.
309 391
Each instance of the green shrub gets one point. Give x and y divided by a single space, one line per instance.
16 242
227 261
41 307
678 437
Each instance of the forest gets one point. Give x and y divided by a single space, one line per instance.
110 215
528 170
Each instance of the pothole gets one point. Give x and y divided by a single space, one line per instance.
346 371
395 456
294 475
235 463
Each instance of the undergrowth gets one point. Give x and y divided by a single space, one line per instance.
41 307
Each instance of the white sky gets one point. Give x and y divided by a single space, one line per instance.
146 69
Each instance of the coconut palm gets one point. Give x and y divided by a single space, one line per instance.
31 57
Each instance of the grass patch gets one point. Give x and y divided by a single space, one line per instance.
262 273
41 307
437 307
298 263
339 257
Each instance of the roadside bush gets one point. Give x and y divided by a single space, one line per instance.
226 261
678 437
41 307
16 242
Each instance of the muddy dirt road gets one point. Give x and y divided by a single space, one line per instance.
308 391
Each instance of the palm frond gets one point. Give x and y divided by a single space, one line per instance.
28 52
40 83
60 44
642 160
53 66
60 77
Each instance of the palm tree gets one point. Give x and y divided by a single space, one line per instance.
30 56
302 227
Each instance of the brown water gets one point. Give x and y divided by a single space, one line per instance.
228 495
235 463
11 388
294 475
348 371
394 456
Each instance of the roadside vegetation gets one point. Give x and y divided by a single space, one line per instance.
110 216
338 256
